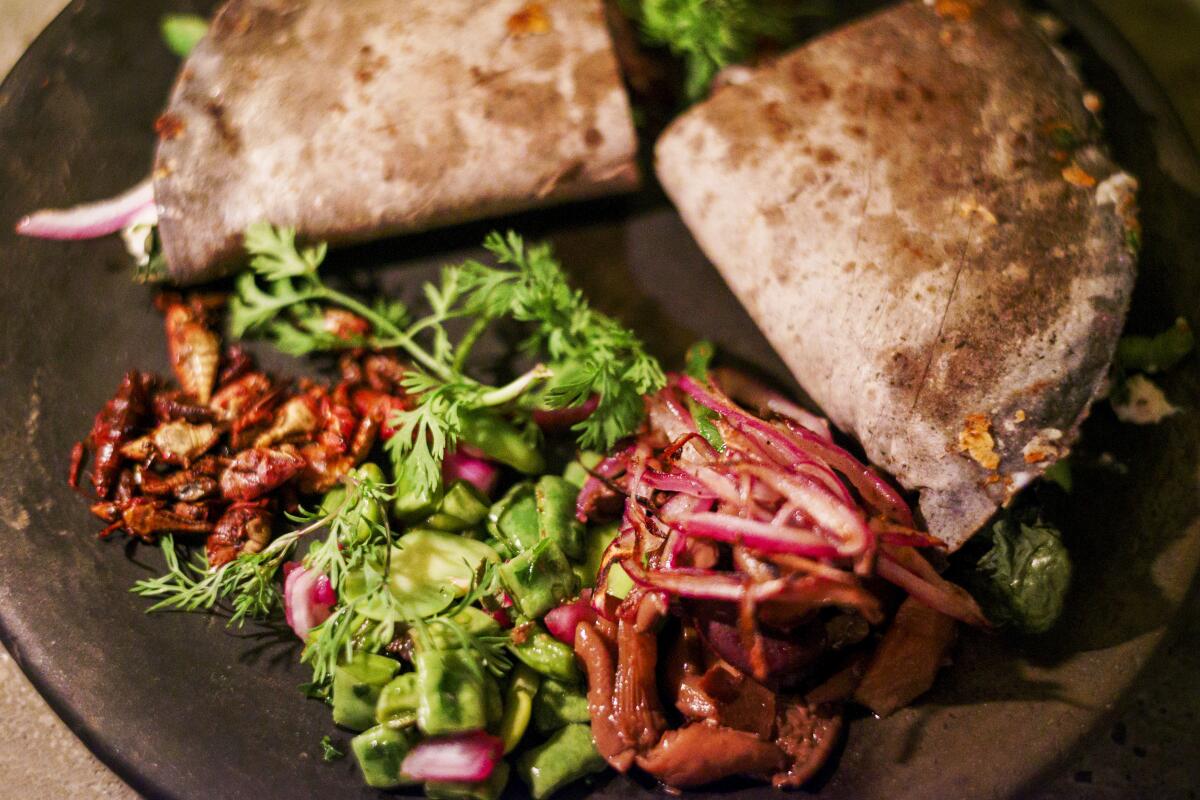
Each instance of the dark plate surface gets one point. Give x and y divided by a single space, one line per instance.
180 706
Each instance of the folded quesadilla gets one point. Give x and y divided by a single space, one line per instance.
350 119
918 212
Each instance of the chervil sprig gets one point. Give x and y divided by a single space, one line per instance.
580 352
710 34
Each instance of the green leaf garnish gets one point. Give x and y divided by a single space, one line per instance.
698 360
182 32
1156 353
1022 581
328 751
581 352
710 34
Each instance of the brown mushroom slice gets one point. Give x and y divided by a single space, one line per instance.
703 752
636 707
916 645
597 661
918 212
353 119
808 734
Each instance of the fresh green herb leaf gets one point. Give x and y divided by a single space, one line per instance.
314 692
699 360
1022 581
274 255
490 649
710 34
1060 473
583 353
182 32
358 531
587 353
328 751
1156 353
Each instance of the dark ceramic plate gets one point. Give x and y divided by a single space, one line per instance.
180 706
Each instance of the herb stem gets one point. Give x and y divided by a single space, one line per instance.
398 337
468 342
514 389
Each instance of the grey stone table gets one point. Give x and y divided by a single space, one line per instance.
1152 750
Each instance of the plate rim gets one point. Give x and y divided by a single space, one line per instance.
1112 47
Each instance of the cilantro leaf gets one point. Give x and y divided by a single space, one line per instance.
710 34
580 352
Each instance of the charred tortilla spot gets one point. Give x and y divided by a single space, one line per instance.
827 155
369 64
592 74
777 122
169 126
1078 176
530 20
524 105
225 129
975 439
957 10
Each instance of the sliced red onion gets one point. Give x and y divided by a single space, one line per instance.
687 582
697 441
668 415
877 492
467 757
681 505
90 220
322 593
676 481
873 488
563 620
479 472
827 477
740 419
721 485
620 548
901 535
811 566
751 392
815 501
593 488
758 535
634 487
931 589
306 604
561 419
